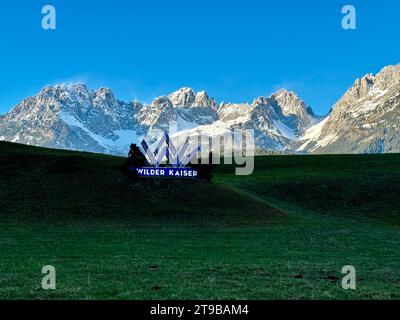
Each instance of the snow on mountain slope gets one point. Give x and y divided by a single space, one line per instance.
365 119
312 136
273 130
72 117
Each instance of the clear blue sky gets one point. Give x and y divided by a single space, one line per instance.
235 49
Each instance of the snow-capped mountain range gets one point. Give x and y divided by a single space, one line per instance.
365 120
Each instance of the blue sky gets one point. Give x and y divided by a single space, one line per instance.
236 50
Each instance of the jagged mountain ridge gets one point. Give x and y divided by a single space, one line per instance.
74 117
277 121
364 120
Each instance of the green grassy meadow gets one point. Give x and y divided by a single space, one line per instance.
284 232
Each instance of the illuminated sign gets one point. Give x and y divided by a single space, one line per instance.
178 159
165 172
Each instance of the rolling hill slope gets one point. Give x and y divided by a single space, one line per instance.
285 232
50 183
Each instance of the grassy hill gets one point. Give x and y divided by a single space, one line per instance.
284 232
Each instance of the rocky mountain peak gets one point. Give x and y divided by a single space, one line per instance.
286 107
161 103
202 100
184 97
388 76
290 103
188 98
104 93
361 87
61 93
370 85
104 96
